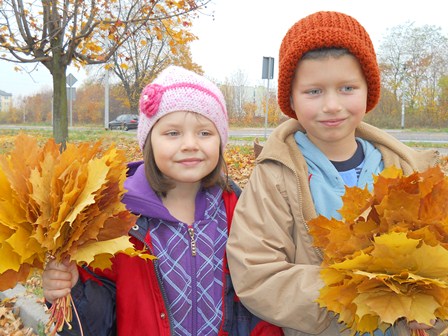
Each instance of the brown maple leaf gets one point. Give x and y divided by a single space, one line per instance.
388 256
63 205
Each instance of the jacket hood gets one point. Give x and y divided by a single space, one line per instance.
278 147
140 198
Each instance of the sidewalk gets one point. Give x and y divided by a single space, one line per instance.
31 312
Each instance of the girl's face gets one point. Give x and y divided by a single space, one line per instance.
186 146
329 97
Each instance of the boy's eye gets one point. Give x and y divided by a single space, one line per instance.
314 91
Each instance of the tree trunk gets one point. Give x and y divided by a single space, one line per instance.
60 119
134 106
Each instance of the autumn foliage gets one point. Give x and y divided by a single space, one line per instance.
61 205
240 162
387 260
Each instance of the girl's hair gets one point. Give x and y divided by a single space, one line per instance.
324 53
162 184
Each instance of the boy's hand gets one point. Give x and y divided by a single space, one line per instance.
58 279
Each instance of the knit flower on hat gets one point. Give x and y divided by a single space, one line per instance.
150 99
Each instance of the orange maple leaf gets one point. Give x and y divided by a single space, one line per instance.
63 205
376 257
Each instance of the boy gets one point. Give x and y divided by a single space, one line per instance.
328 80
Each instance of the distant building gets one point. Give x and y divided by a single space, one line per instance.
236 96
5 101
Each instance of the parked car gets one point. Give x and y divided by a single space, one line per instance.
124 122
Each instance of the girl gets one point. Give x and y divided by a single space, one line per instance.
185 204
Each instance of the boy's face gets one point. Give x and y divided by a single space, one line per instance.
329 97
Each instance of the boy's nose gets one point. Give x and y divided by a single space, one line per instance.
331 103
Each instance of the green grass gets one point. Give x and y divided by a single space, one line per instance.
95 134
75 135
426 144
430 130
41 329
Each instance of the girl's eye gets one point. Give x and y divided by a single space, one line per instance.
204 133
348 88
172 133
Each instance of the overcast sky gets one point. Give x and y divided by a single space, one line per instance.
243 31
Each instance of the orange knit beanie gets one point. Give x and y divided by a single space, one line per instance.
326 30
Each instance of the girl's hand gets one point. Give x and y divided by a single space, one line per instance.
58 279
413 325
437 327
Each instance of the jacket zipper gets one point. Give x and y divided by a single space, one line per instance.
191 233
192 240
141 238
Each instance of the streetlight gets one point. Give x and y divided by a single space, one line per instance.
402 110
402 99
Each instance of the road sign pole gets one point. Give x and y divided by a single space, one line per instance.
71 107
71 80
267 73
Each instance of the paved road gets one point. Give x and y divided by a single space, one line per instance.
403 135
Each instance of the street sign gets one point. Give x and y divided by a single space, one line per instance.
268 68
71 80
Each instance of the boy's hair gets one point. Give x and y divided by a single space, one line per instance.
178 89
326 30
162 184
324 53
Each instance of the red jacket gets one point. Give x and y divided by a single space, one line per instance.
140 300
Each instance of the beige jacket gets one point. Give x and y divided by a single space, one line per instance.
274 267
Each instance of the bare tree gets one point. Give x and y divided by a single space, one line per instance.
234 90
57 33
412 60
143 56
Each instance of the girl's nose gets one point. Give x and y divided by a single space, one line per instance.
189 141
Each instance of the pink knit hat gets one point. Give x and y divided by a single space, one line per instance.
178 89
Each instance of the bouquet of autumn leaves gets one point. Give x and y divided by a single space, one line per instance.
61 205
387 259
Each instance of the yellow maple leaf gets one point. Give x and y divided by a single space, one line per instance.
54 203
377 255
355 202
86 254
61 205
103 260
10 259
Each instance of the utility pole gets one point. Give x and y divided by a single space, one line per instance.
402 110
402 98
106 100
